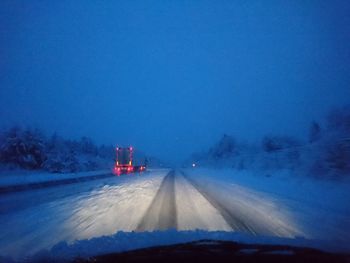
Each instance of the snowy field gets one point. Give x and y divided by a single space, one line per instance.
112 214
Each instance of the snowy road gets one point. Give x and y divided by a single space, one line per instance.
157 200
232 218
162 212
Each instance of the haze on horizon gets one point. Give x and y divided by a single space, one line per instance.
170 77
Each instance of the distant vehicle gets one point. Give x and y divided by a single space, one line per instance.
124 162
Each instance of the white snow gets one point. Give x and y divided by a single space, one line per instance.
100 216
194 211
309 207
19 177
68 213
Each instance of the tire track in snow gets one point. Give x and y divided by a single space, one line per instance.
161 214
194 211
231 219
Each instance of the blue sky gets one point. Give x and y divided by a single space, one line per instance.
170 77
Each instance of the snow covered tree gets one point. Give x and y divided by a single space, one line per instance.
56 150
71 162
11 146
35 149
107 152
24 148
87 146
62 155
30 149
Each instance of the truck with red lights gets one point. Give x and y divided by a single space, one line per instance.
124 162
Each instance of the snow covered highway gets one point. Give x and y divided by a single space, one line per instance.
160 199
161 214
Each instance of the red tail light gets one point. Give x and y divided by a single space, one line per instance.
117 170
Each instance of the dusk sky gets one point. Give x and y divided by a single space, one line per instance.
170 77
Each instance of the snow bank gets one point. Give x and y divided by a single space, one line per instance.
318 208
19 177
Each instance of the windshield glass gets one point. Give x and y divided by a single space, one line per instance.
134 124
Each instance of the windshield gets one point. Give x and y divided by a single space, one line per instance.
137 124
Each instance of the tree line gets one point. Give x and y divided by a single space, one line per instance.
29 148
324 150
